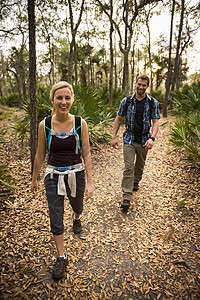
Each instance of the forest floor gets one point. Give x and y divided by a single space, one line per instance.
150 252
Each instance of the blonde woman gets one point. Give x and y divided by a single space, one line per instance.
65 175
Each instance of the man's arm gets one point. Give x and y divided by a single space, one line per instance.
149 144
116 126
155 127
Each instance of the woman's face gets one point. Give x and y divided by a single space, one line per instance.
62 100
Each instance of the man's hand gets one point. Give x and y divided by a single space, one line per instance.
115 143
149 144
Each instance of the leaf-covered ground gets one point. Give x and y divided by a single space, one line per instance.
151 252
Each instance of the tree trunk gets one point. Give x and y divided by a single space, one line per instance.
111 55
70 64
175 74
115 68
126 73
32 81
168 81
125 85
52 64
138 58
149 53
75 65
178 74
73 42
83 76
133 68
21 73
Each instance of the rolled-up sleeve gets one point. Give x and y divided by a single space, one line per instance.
121 110
155 111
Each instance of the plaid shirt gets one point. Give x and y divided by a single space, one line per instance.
128 136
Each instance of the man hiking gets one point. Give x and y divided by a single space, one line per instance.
138 109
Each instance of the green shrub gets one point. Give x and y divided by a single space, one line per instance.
89 105
186 100
5 178
118 95
97 132
159 96
5 115
86 103
186 130
20 128
44 105
103 94
12 100
186 133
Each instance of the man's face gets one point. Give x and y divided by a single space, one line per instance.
141 86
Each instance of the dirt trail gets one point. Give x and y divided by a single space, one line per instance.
151 252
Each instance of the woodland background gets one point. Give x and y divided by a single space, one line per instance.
100 47
95 45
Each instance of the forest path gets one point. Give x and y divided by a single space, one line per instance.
150 252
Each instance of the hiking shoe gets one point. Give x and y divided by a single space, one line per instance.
77 226
59 267
135 186
125 204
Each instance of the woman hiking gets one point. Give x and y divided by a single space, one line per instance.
66 145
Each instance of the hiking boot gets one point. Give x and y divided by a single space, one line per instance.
125 204
77 226
59 267
135 186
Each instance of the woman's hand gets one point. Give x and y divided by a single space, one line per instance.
34 186
88 190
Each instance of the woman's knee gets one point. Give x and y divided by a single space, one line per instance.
56 230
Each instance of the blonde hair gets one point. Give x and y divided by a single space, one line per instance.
57 86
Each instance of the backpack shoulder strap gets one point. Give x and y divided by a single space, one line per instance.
151 103
151 106
78 131
78 126
128 100
48 125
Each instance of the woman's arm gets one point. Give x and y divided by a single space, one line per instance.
39 157
87 160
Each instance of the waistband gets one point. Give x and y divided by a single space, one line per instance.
62 171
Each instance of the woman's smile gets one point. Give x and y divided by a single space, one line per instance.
62 100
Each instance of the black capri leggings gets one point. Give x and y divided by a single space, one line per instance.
56 202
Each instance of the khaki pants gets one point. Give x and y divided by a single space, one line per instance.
134 161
